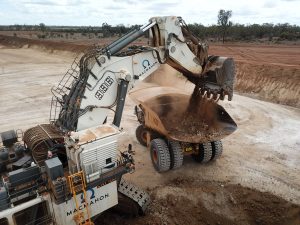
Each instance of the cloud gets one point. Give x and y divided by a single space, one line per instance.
270 4
129 12
127 1
39 3
113 7
163 5
54 2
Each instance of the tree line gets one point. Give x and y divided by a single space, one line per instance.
237 32
225 30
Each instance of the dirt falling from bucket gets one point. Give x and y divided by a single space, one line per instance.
187 118
199 119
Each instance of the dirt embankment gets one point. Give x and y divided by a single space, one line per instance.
19 42
268 72
279 84
186 201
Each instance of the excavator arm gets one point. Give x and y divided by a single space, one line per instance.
101 79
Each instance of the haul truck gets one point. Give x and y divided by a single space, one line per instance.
172 125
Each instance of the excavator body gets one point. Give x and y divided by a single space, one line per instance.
70 170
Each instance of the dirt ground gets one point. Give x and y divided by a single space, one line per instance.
256 181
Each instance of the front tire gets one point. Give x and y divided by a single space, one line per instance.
160 155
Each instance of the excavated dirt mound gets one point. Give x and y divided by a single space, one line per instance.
210 203
19 42
268 72
279 84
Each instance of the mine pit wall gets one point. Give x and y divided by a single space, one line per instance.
275 83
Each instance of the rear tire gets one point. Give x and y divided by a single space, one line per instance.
204 154
160 155
217 149
141 135
176 154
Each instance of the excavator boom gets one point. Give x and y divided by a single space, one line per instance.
103 76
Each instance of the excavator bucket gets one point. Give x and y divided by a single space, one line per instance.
217 78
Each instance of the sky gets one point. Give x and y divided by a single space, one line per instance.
130 12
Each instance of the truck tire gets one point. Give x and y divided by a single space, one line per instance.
176 154
204 154
160 155
141 135
217 149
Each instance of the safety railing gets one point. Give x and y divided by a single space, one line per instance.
63 88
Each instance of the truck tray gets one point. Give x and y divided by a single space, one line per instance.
169 111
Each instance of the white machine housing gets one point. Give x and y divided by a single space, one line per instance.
93 150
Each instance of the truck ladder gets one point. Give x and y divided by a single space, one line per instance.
77 184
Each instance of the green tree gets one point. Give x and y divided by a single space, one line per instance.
106 30
42 27
223 21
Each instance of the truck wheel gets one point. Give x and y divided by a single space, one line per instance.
204 154
217 149
160 155
141 135
176 154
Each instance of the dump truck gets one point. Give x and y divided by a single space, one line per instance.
174 123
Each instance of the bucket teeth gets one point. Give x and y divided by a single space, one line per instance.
209 94
222 96
217 97
213 94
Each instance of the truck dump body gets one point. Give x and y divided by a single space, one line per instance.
174 114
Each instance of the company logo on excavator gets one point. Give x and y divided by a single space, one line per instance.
146 63
90 203
147 66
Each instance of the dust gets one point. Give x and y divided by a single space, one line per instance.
164 76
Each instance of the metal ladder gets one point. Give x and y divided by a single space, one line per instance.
63 88
77 184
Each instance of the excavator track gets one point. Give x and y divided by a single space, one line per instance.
135 194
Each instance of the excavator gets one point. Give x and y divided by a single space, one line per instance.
71 170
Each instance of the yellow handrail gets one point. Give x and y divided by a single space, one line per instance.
73 183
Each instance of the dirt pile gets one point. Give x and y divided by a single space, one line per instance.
274 83
186 201
267 72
